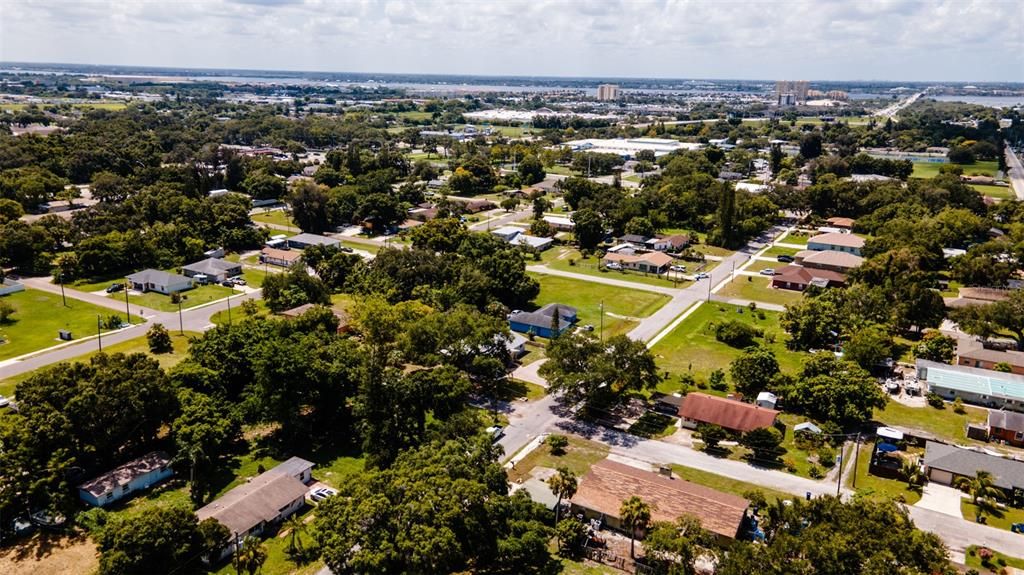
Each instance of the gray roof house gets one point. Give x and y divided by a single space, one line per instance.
944 463
303 241
214 268
158 281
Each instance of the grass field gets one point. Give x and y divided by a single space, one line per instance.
1001 192
874 486
39 315
95 284
136 345
78 106
931 169
726 484
619 304
193 298
797 237
276 217
578 457
776 251
692 345
758 289
972 560
1002 520
710 250
943 423
558 259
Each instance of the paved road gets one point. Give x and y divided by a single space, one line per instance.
610 280
958 533
1016 172
117 304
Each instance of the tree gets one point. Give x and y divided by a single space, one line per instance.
310 206
589 229
531 170
585 369
640 226
557 443
983 492
912 473
775 159
10 210
213 537
869 346
296 527
711 434
676 545
752 372
635 516
985 321
250 556
570 533
204 434
439 235
810 145
159 339
764 442
292 289
563 485
829 389
509 204
736 333
935 346
6 311
158 541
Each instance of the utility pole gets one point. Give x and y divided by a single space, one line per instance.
709 288
63 299
601 322
229 309
127 310
856 458
99 332
181 323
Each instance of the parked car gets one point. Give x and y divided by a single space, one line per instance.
4 402
702 276
238 281
767 272
588 327
321 493
228 283
115 288
677 268
785 259
614 266
495 432
345 249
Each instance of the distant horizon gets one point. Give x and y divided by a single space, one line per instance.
610 79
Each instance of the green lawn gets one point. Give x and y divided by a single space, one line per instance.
943 423
1002 520
221 317
578 457
586 297
570 567
253 276
193 298
373 249
94 284
998 559
39 315
561 170
277 217
931 169
692 345
710 250
559 258
874 486
776 251
726 484
1000 192
516 389
797 238
758 289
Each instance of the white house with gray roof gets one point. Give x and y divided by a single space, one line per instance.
158 281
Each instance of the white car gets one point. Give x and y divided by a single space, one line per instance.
4 402
767 272
677 268
321 493
614 266
495 432
702 276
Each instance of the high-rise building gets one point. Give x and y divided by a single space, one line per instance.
797 88
607 92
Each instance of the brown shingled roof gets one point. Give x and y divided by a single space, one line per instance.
609 483
728 413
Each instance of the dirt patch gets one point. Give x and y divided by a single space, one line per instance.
50 554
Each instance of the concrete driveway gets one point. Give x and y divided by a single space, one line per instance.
941 498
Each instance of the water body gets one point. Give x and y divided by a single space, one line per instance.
990 101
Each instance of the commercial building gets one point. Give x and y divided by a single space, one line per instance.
794 92
608 483
989 388
118 483
607 92
628 148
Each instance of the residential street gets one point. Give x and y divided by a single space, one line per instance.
1016 172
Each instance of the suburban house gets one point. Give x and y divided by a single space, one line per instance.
1007 426
560 223
516 345
303 241
672 243
473 205
423 212
651 262
974 354
118 483
637 241
264 500
276 257
799 278
159 281
608 483
993 389
836 242
730 414
841 262
945 463
214 269
541 322
977 296
344 320
841 223
519 237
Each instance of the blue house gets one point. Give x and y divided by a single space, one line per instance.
542 322
136 475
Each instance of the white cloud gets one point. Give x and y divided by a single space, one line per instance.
972 40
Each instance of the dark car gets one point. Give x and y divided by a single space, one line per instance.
785 259
228 283
115 287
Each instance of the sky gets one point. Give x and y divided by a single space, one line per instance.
908 40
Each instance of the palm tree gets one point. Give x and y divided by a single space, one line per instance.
295 524
910 469
562 484
250 556
982 490
635 515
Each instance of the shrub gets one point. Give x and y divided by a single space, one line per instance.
935 400
735 333
557 443
159 339
717 380
6 311
789 464
958 406
827 456
572 261
113 321
815 472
